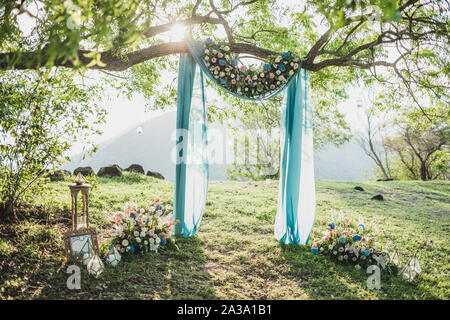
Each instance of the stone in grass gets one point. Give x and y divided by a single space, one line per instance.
378 197
155 174
110 171
135 168
85 171
359 188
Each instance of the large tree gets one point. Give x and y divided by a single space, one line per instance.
115 35
402 43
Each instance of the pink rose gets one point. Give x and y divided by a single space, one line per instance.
295 66
136 233
220 55
250 81
341 249
346 257
271 75
227 69
213 60
122 250
272 86
243 68
233 81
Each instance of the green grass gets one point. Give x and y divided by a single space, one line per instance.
234 255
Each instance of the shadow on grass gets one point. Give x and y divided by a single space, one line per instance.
322 278
169 274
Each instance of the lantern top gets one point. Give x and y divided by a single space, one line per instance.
80 179
80 183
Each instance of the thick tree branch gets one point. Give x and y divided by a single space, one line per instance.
30 60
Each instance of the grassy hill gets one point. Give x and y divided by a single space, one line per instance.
235 255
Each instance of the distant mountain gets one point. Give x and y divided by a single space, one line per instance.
348 162
152 148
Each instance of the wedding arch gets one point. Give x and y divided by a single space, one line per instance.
296 196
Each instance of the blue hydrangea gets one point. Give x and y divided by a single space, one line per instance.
366 253
158 207
234 62
223 81
281 67
163 241
132 215
222 62
361 226
267 67
132 248
342 240
357 238
315 250
332 225
286 54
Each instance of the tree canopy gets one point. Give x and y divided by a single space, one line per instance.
401 43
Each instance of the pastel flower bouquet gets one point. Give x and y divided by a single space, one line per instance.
251 82
350 244
139 230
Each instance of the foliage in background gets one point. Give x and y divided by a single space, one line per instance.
41 115
421 149
407 144
340 42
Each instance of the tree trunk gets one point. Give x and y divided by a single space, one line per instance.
6 211
423 171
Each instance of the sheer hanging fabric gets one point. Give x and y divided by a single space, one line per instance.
191 178
296 199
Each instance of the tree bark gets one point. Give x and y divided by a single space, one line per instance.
6 211
36 59
423 171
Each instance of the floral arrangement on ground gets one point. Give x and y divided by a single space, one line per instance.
253 82
352 244
140 230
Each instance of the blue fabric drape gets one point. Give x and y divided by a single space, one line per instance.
296 196
191 177
296 200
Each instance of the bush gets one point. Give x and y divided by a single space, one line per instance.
41 115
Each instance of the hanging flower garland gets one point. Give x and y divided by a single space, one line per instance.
253 82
